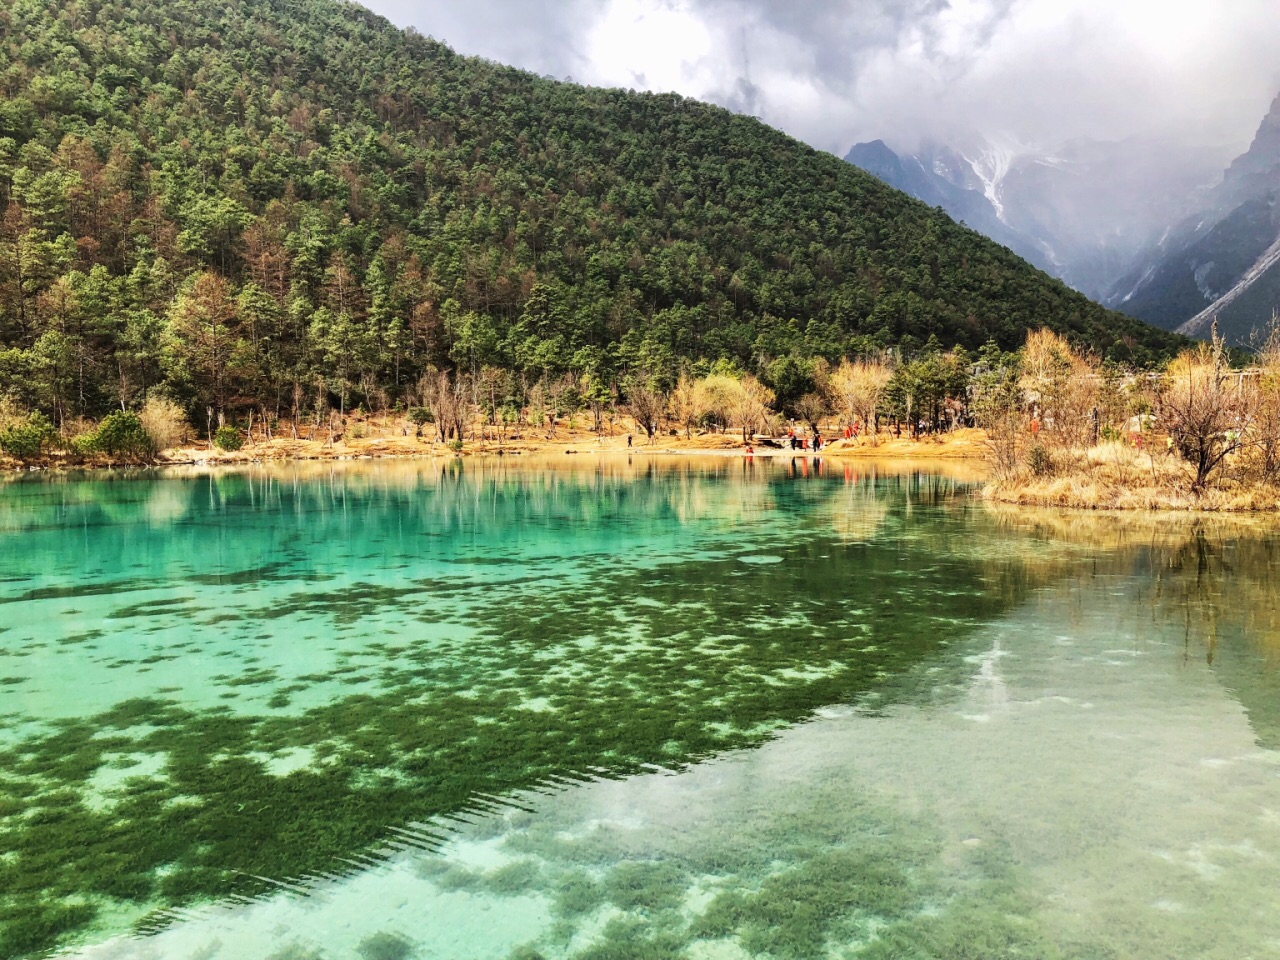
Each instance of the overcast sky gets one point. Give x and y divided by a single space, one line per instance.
833 72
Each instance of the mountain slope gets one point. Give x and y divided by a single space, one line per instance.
1221 265
1082 212
360 202
942 177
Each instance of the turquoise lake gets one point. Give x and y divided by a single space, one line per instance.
588 709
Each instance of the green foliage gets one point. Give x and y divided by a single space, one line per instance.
789 378
28 439
118 434
920 387
351 205
1040 461
228 438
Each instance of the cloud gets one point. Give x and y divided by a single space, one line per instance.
1038 71
546 38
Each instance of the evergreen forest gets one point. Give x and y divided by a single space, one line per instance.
289 207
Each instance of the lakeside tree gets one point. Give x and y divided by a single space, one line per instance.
858 388
646 404
920 388
1206 408
751 406
1061 385
999 408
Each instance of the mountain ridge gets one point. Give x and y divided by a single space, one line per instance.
1083 211
1219 265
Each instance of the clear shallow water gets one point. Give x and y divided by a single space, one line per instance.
407 712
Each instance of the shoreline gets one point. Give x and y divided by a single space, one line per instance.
1083 492
965 445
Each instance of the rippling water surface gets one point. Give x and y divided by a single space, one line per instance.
702 709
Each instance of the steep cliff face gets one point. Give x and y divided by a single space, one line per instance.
1222 264
1260 165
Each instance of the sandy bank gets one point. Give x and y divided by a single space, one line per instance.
390 443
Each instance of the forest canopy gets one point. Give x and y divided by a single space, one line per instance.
284 206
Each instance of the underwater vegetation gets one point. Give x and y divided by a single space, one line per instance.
803 875
441 687
364 656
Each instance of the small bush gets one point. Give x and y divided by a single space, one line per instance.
1039 461
27 439
164 422
118 434
455 446
419 417
228 438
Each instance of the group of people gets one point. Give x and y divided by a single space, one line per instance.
814 443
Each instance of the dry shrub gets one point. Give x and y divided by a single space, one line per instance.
1265 432
1062 384
75 428
11 414
1206 407
164 421
1114 476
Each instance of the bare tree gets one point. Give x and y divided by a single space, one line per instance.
858 387
646 405
448 400
1206 408
811 408
751 406
687 402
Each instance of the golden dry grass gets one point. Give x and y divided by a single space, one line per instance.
1113 476
376 439
967 444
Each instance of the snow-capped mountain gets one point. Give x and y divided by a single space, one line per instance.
1083 211
1222 263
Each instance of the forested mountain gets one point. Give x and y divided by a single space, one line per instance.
293 204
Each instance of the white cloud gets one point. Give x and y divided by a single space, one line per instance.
843 70
655 46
